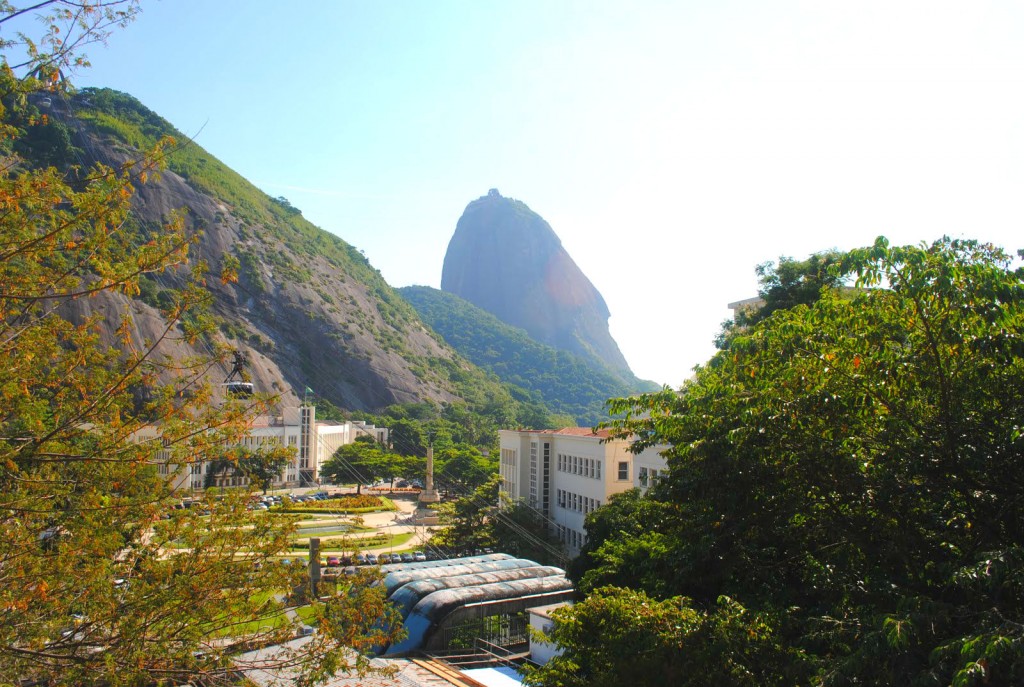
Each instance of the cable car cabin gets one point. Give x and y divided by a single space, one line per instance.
238 389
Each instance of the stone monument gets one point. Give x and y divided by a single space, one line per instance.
425 515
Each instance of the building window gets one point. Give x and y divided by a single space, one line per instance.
623 470
643 477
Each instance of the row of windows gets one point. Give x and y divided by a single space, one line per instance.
579 465
576 502
571 537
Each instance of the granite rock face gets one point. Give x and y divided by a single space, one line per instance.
505 259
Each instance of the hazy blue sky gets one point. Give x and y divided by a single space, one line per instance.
672 146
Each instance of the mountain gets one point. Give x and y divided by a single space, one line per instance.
565 382
308 310
506 259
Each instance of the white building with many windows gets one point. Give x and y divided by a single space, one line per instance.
567 473
314 442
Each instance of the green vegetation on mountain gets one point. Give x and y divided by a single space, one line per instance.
565 382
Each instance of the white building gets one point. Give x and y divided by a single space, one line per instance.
567 473
314 442
541 623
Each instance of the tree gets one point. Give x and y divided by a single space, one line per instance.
482 520
264 464
462 468
467 520
261 465
627 546
358 462
786 285
624 637
102 581
851 470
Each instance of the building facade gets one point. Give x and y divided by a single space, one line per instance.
567 473
297 428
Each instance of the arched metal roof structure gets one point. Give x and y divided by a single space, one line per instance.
408 595
459 566
434 598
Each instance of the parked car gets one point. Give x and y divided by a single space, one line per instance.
383 558
419 556
360 559
407 557
333 561
371 558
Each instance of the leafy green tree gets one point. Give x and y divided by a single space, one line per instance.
481 520
785 285
360 462
624 637
407 437
627 546
261 465
467 521
851 470
461 469
102 581
264 465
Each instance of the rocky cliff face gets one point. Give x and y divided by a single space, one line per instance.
307 310
504 258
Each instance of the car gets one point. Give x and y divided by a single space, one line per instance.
286 561
305 630
346 560
360 559
383 558
333 561
419 556
371 558
407 557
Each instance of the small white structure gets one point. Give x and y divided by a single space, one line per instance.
540 624
567 473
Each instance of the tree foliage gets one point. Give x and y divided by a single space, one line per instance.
621 636
785 285
102 581
481 520
851 469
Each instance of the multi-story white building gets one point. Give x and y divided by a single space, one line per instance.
314 442
567 473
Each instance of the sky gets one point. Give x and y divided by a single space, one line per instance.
672 146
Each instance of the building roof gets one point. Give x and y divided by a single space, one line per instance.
583 432
570 431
